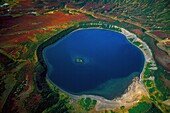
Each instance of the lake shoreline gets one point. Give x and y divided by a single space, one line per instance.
98 98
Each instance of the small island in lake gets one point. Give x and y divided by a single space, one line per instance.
79 60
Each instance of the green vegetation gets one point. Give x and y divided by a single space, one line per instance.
153 109
137 43
57 29
131 39
122 107
151 90
160 85
157 90
87 104
148 72
142 107
148 83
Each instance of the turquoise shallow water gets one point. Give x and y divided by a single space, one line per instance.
90 61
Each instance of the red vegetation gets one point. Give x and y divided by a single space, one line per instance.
161 34
12 51
162 57
14 39
108 6
137 31
72 5
18 30
89 6
30 22
104 18
34 100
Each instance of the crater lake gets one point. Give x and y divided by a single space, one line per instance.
94 62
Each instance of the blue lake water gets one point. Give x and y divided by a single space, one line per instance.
93 61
